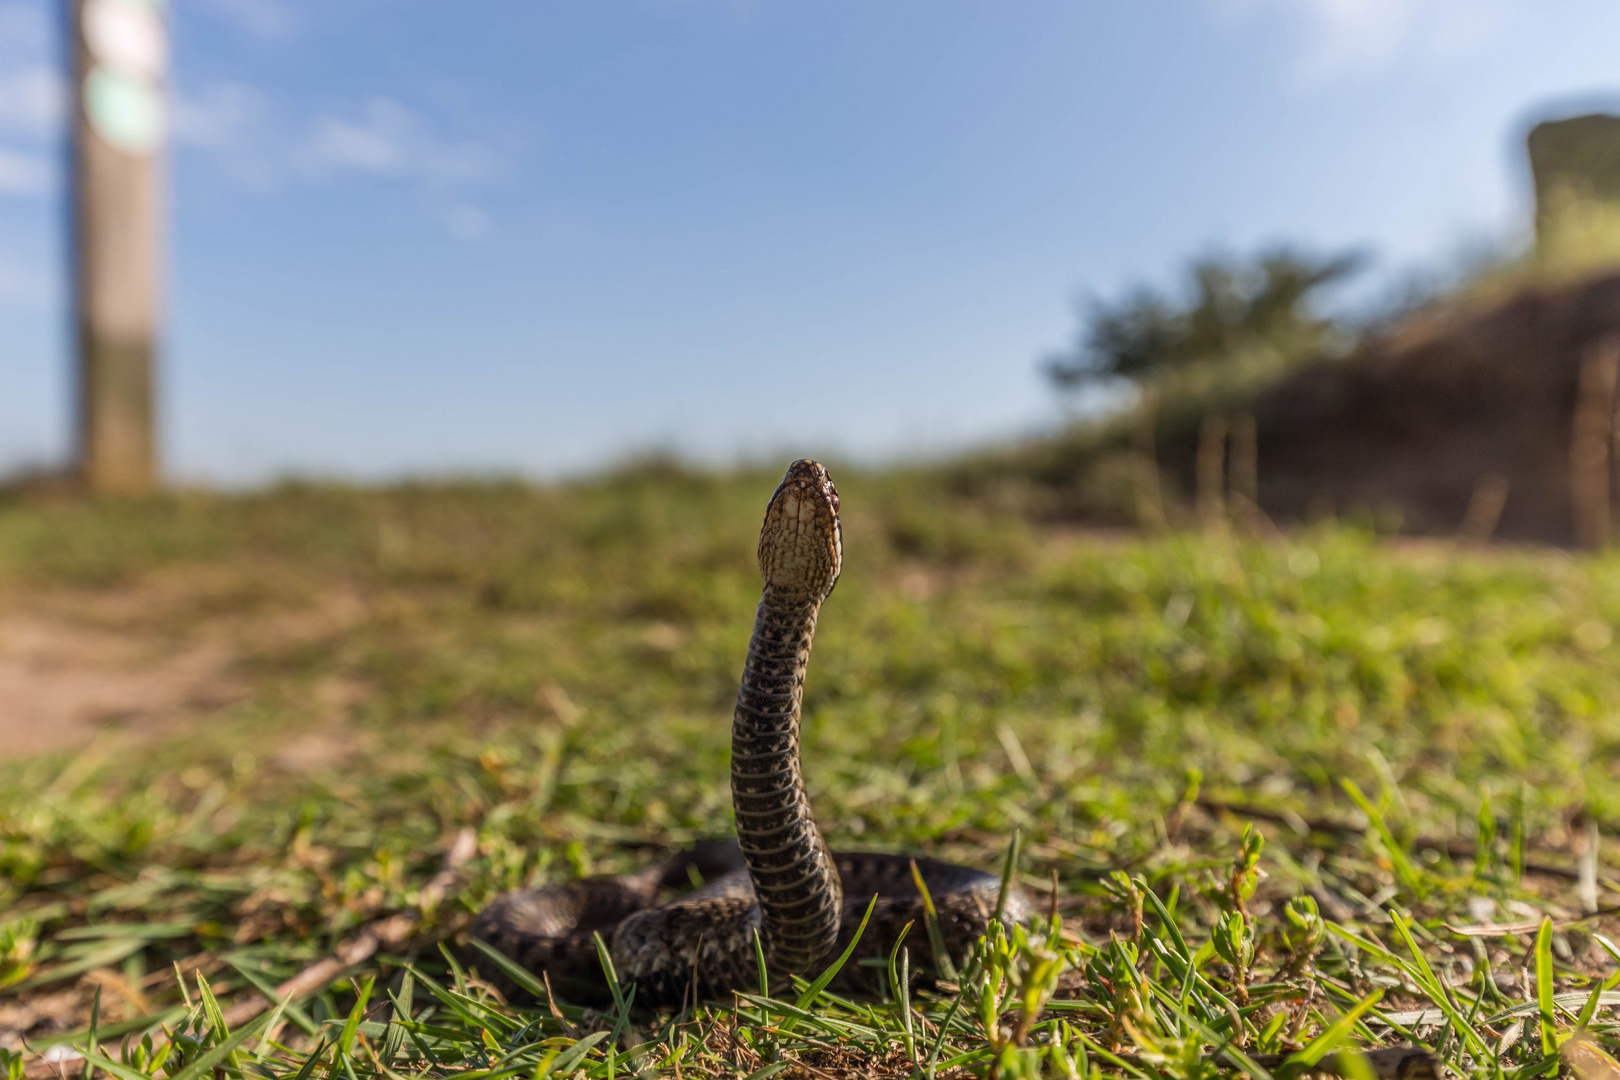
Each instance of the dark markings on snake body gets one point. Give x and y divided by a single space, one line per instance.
777 880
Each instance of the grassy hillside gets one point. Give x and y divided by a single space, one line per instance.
1396 415
1421 735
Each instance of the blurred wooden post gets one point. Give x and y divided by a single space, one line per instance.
1588 848
1211 470
1484 509
119 124
1589 444
1244 471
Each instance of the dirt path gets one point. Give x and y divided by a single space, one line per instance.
147 660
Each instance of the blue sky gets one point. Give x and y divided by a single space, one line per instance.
414 236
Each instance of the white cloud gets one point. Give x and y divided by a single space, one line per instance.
220 114
33 100
33 94
24 174
239 131
467 223
346 144
387 138
33 108
232 128
1348 37
25 285
268 20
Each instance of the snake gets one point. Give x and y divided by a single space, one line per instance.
776 892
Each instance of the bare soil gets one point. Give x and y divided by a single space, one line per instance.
149 659
1411 426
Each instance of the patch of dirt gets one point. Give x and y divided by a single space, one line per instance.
146 659
42 1014
1440 408
310 751
60 683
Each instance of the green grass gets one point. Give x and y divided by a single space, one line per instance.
1411 731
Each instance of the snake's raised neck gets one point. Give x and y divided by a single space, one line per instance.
800 897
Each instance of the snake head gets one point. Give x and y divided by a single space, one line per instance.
801 545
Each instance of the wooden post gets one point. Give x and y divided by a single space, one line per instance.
1484 509
119 124
1589 444
1588 848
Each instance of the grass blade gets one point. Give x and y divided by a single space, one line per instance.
759 958
213 1056
514 970
211 1009
1009 867
111 1067
944 1030
608 970
351 1026
569 1059
1544 989
936 936
813 991
394 1041
1331 1037
1408 875
297 1015
90 1041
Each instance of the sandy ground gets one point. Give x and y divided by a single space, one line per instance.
145 660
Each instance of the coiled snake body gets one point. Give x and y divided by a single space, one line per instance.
778 880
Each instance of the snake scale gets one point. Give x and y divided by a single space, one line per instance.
778 880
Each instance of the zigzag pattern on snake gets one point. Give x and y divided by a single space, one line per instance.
778 879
